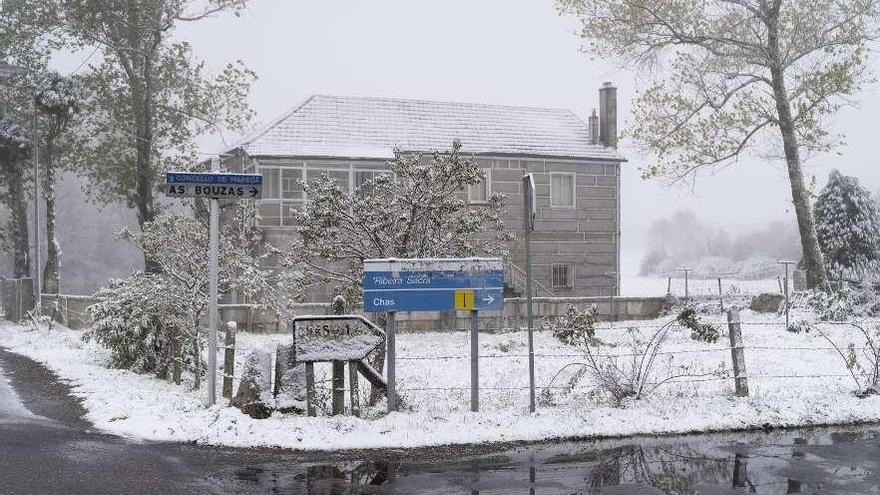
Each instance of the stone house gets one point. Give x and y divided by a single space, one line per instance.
576 244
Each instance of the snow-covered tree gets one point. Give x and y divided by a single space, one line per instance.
58 100
417 210
172 303
15 149
848 227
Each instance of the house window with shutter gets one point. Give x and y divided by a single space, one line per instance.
562 276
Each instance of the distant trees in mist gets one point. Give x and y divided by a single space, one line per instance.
683 240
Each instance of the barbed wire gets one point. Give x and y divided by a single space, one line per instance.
661 353
677 380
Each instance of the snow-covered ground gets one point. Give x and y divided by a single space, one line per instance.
633 284
795 379
639 286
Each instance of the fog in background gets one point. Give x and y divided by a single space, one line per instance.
517 52
89 253
684 240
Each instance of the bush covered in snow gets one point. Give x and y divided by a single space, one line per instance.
847 301
700 331
146 326
147 320
576 327
848 228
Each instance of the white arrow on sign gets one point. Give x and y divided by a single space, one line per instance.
488 299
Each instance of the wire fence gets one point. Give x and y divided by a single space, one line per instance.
804 356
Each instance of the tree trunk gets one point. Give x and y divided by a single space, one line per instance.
51 269
144 174
15 200
813 263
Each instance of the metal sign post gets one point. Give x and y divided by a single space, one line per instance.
465 284
529 213
391 355
213 275
475 360
213 186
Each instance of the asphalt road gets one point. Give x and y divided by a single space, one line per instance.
47 447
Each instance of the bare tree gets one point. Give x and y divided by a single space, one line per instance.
732 72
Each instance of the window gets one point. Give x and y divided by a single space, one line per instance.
479 192
290 184
281 193
562 190
338 176
361 177
271 183
561 276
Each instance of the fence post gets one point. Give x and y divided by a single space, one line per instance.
720 294
229 359
737 353
353 388
338 403
310 388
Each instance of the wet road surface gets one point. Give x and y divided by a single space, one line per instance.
46 447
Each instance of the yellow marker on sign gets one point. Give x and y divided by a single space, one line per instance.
464 299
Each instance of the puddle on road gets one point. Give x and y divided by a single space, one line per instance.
822 461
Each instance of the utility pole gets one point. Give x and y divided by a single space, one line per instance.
686 272
38 290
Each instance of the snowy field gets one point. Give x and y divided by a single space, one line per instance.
795 379
639 286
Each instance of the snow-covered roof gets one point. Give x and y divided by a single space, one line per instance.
360 127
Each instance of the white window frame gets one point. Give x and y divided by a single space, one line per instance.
303 167
487 187
569 283
573 204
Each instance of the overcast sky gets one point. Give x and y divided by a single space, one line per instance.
518 52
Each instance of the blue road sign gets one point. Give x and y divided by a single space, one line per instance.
393 285
214 185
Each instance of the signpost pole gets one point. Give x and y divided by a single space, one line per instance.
475 360
391 355
213 262
529 224
38 280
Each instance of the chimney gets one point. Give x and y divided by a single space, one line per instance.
608 114
594 128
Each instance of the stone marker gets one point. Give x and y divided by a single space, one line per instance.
255 386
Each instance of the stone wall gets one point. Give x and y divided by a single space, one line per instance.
71 311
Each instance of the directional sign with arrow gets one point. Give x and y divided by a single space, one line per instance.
213 186
475 284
